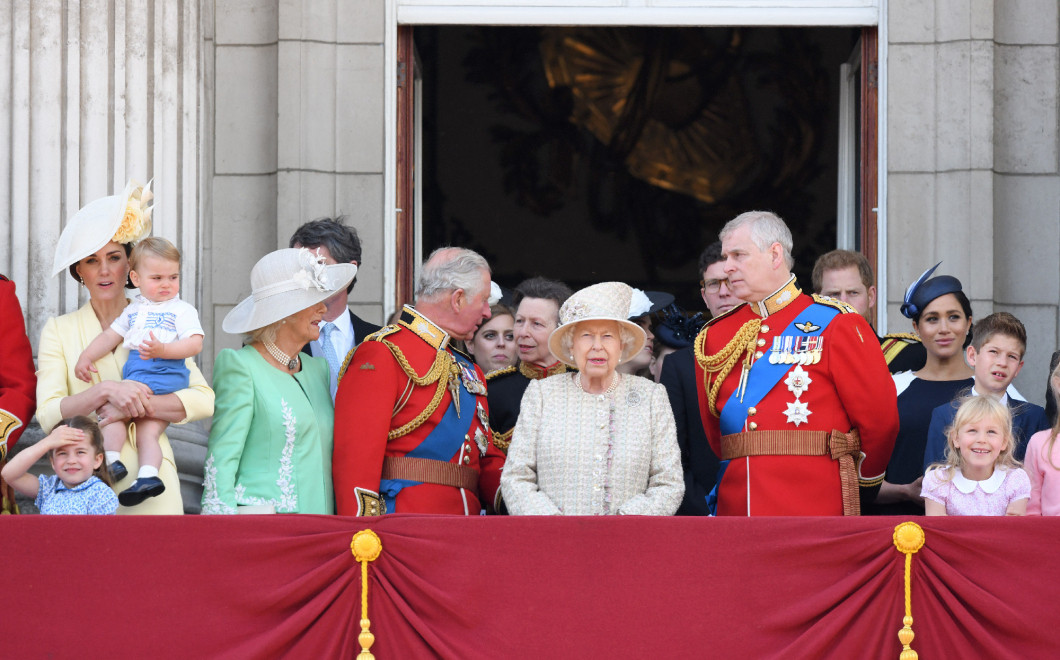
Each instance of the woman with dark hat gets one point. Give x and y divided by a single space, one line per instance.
942 316
595 442
272 435
95 247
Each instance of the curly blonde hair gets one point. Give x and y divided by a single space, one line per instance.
974 409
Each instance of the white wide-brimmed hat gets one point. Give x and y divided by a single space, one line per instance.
123 218
607 301
285 282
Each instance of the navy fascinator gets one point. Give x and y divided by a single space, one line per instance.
676 329
920 293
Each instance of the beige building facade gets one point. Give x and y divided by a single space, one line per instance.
253 116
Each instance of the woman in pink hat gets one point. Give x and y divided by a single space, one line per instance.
94 247
595 442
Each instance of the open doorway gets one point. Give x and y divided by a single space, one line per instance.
590 154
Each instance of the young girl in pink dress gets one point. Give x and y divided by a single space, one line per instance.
1043 463
979 477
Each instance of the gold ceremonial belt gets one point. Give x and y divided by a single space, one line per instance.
842 447
430 471
790 443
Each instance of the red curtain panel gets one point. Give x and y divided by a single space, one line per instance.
507 587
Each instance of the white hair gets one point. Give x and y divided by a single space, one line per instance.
449 269
766 229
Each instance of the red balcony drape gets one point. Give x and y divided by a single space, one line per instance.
269 586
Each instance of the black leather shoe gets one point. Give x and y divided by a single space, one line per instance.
117 471
141 490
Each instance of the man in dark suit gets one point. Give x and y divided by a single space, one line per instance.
679 377
340 329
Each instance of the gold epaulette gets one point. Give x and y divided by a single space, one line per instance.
375 336
832 302
496 373
903 336
382 332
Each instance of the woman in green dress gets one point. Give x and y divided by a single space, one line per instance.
271 439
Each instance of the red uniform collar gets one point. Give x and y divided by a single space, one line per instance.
777 300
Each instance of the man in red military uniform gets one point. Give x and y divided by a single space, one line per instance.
794 392
411 418
18 381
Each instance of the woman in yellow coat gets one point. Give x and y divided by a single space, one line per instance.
95 247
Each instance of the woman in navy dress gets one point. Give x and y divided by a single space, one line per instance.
942 316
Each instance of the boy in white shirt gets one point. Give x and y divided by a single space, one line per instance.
161 331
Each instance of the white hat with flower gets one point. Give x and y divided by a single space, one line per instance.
123 218
285 282
607 301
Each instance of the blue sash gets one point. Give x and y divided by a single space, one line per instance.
763 377
441 443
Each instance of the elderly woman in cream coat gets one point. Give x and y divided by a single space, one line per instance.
595 442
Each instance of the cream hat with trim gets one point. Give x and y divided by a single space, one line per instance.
124 218
607 301
285 282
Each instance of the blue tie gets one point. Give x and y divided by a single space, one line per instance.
330 355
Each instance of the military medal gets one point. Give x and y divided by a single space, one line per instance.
774 353
471 381
480 440
798 381
482 416
797 412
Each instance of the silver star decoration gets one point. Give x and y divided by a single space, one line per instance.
798 381
797 412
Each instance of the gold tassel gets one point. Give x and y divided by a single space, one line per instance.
365 547
908 538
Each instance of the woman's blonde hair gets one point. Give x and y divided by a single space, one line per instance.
265 333
974 409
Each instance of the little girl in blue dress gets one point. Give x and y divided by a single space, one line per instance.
80 484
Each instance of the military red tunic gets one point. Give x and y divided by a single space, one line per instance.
18 382
847 387
395 401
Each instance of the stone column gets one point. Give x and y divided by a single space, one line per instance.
973 158
1026 179
93 93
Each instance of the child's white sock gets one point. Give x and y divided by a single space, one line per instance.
112 456
147 471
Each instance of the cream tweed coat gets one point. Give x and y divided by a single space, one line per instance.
558 462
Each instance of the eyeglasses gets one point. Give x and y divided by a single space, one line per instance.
713 286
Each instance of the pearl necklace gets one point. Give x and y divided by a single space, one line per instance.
286 360
609 390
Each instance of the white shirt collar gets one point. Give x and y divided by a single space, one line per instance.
968 486
343 323
1003 399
